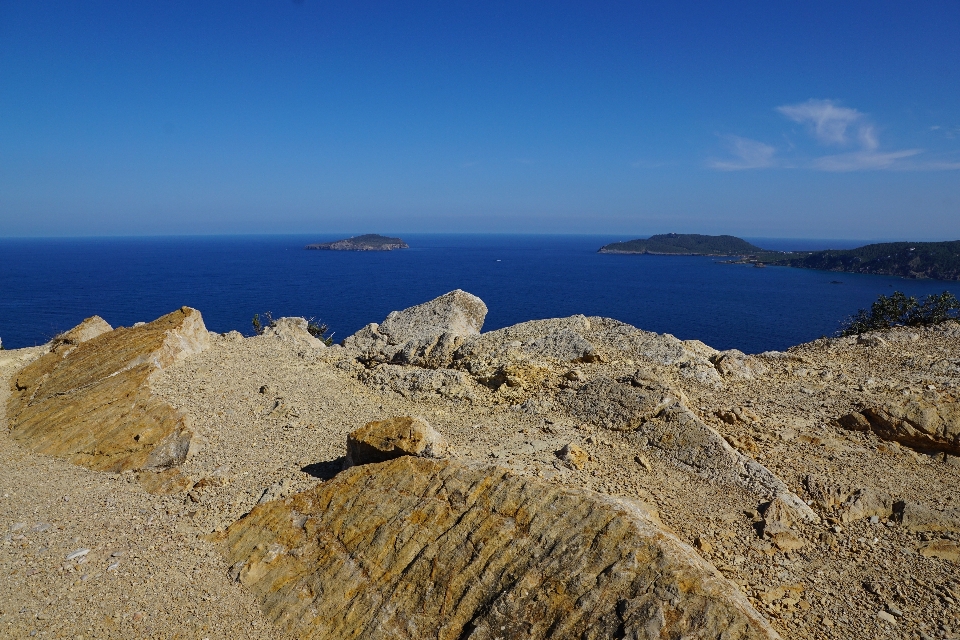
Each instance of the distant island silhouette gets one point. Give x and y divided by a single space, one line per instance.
934 260
684 244
367 242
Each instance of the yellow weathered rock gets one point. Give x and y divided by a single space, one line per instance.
89 398
383 440
943 549
573 456
927 422
420 548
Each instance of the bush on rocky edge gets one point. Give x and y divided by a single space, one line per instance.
897 310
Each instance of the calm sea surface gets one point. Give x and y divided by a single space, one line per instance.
48 285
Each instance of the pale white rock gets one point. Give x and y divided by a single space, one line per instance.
426 334
292 331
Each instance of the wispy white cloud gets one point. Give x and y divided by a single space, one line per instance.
830 124
866 160
828 121
650 164
868 137
948 132
747 154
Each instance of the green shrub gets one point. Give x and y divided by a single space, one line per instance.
319 331
898 310
260 325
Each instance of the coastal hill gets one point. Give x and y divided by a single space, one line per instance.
424 474
938 260
367 242
684 244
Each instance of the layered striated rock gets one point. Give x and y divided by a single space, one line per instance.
89 399
418 548
927 422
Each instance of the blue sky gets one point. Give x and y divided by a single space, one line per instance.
792 119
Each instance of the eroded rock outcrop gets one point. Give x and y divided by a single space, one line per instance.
86 330
425 335
419 384
917 517
654 412
89 400
736 364
292 331
927 422
619 407
418 548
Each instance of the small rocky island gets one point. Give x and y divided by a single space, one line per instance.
684 244
367 242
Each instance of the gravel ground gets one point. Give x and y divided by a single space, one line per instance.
274 418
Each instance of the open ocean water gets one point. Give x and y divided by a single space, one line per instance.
49 285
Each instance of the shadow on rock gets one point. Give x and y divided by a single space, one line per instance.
325 470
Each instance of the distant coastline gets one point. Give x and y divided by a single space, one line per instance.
367 242
928 260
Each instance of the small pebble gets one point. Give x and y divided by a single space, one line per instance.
17 526
79 553
886 617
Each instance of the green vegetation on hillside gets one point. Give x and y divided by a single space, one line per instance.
897 310
685 244
938 260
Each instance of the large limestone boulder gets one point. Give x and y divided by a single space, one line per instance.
384 440
419 548
425 335
89 400
927 422
556 344
524 354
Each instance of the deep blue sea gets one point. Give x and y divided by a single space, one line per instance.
49 285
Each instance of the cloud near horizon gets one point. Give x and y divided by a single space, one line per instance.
829 122
830 125
747 154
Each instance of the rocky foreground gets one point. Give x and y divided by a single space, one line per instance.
563 478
